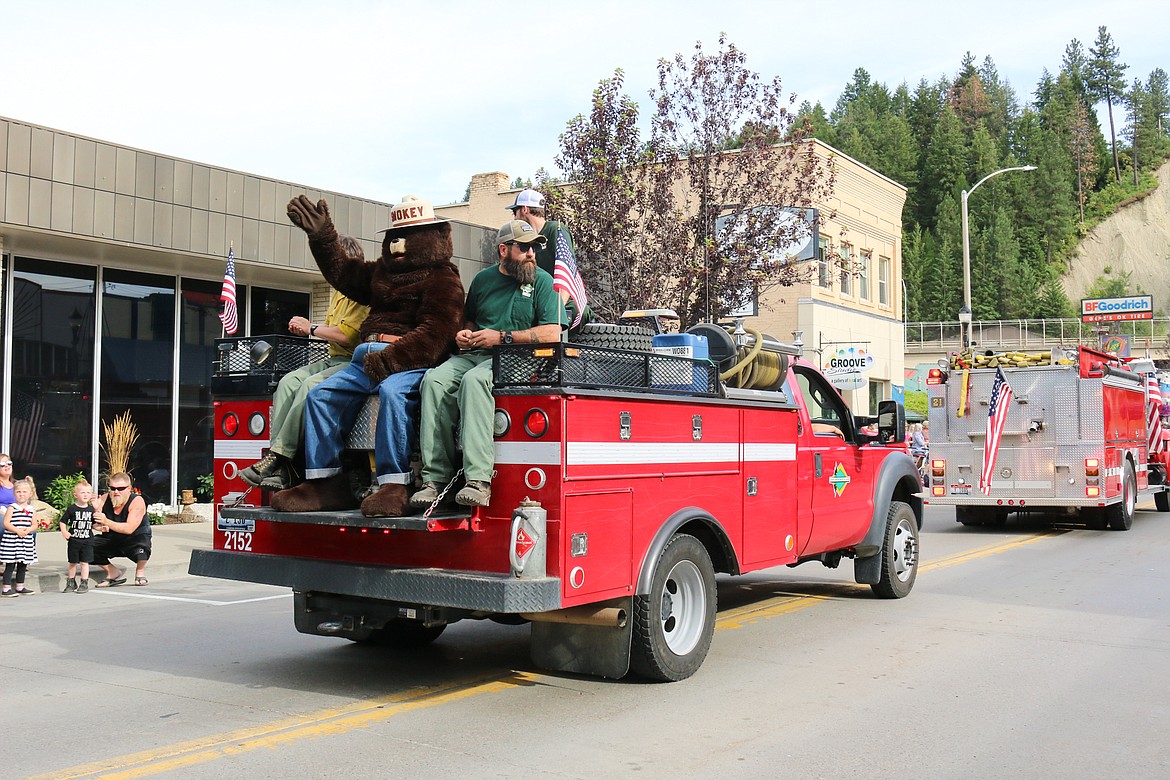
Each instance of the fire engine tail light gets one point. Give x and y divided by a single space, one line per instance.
1092 492
938 490
1092 467
938 468
230 424
535 423
936 376
257 423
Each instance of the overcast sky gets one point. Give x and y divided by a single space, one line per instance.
377 99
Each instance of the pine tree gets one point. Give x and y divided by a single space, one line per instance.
1158 88
1106 82
1135 112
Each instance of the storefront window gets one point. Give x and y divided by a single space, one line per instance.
272 309
200 327
138 325
52 369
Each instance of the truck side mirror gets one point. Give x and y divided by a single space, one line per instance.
891 422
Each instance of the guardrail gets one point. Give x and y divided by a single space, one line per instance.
1020 334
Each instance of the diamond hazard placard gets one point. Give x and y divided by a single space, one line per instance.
524 543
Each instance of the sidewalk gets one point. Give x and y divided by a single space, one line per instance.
169 557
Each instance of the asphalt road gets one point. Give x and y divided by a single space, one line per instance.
1026 651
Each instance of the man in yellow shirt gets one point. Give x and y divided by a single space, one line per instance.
343 322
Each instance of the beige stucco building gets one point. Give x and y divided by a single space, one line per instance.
834 311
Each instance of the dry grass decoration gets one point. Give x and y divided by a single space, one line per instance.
120 440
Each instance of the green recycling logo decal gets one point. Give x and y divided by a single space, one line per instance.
840 479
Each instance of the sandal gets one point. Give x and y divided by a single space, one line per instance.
141 581
111 583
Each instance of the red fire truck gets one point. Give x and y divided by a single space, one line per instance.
1082 435
625 480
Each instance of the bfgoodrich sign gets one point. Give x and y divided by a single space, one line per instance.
1133 307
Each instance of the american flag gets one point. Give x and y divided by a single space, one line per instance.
229 318
566 276
1157 441
1001 404
27 414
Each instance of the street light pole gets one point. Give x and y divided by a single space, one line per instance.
965 327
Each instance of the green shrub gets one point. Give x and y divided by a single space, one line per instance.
59 493
205 492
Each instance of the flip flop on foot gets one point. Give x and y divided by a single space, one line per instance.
141 581
111 583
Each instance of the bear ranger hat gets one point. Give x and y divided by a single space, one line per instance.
527 198
520 232
413 211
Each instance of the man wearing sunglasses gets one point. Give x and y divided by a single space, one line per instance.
512 302
124 531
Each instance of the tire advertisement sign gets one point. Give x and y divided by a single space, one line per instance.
846 368
1132 307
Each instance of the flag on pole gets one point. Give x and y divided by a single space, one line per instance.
1001 404
566 277
1157 440
229 318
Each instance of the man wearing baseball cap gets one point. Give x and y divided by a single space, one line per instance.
558 249
512 302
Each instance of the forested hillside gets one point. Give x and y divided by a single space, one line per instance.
941 138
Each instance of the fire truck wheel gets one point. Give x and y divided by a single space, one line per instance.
1162 501
899 553
604 334
1120 515
674 624
405 634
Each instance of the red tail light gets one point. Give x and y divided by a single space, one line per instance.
230 424
536 423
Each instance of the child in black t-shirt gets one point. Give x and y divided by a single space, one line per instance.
77 527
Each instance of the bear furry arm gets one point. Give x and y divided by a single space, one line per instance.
439 316
348 276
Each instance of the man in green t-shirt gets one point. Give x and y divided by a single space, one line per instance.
529 207
510 302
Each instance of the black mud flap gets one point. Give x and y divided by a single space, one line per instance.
595 650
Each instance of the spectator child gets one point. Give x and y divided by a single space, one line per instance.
18 544
76 526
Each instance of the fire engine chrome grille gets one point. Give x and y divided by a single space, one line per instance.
573 365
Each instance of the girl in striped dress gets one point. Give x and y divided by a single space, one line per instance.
18 544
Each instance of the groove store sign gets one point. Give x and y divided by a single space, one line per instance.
1133 307
846 367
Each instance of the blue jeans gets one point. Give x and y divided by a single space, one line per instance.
333 406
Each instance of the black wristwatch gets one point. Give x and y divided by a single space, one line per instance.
312 330
507 337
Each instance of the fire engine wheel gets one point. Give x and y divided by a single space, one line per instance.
899 553
1120 515
675 622
1162 501
405 634
604 334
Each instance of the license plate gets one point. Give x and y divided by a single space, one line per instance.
960 490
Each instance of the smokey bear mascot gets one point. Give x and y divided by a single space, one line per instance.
416 307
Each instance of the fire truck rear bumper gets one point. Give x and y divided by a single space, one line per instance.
473 591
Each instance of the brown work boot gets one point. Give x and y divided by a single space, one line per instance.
388 500
316 495
475 493
262 469
281 477
426 495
